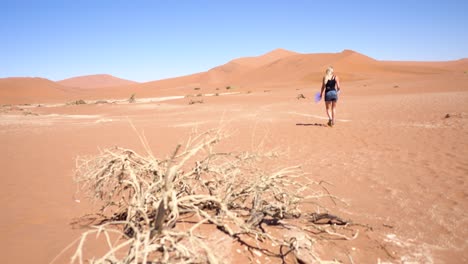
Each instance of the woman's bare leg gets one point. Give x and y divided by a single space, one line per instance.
333 111
328 106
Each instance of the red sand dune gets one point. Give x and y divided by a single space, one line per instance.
281 69
278 69
238 68
217 77
20 90
95 81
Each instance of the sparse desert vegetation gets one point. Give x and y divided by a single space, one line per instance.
77 102
191 102
300 96
145 200
132 98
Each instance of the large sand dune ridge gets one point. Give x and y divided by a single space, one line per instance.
278 69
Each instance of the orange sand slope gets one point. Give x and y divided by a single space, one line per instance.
95 81
30 90
279 69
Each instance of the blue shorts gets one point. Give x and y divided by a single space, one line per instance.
331 96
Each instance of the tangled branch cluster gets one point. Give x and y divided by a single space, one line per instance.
144 199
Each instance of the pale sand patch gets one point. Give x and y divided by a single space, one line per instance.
30 106
156 99
104 120
169 98
124 101
189 124
41 120
7 120
420 252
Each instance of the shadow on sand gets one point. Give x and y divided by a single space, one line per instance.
311 124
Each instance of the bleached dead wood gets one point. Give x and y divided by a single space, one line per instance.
143 199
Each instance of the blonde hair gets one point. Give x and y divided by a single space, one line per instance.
328 74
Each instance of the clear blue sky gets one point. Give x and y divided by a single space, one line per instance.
155 39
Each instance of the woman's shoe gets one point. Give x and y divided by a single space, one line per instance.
329 122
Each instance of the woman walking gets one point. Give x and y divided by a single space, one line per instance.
331 87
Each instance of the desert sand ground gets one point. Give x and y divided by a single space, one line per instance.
397 157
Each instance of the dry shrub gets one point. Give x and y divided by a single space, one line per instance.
144 199
191 102
132 99
27 113
77 102
300 96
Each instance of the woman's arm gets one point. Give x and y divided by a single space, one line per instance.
323 87
338 87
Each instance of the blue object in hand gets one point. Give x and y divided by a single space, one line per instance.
317 97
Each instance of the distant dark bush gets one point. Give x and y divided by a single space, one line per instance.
26 113
132 99
191 102
77 102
